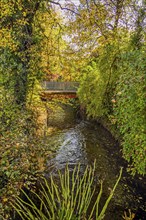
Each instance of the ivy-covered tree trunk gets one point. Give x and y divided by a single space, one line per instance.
23 33
21 75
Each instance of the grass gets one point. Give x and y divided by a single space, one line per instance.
71 198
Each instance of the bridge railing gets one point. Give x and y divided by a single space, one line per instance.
60 86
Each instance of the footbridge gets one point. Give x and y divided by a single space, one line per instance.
60 87
59 90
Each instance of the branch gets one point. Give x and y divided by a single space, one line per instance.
87 6
64 8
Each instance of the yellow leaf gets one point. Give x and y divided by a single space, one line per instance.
5 199
24 14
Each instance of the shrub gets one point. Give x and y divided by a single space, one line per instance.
129 109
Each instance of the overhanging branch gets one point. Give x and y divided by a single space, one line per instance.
63 8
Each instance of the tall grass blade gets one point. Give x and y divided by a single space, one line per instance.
110 197
70 199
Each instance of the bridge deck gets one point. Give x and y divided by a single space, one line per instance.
60 87
60 91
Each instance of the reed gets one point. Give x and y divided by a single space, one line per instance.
70 199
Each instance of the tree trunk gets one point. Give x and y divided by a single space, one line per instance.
24 38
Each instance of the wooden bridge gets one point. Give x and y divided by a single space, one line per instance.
60 87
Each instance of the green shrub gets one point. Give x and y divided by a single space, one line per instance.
91 90
129 109
97 81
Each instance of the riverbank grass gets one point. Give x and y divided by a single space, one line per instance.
71 197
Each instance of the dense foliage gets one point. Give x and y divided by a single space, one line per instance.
112 81
122 100
24 43
129 108
97 82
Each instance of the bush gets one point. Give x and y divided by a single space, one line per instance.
129 109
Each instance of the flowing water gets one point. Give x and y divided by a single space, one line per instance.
75 141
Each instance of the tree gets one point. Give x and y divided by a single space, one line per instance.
110 35
26 27
19 25
129 106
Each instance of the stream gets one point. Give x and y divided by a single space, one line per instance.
74 141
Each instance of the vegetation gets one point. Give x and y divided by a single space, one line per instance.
70 198
22 67
112 79
99 43
129 109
